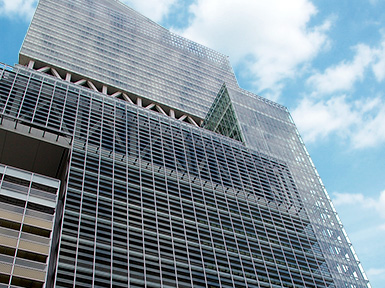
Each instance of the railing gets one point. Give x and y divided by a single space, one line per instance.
14 187
42 194
6 259
11 208
30 264
34 238
24 190
9 233
38 215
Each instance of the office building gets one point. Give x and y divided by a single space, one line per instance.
130 157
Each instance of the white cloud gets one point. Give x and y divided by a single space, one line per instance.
347 199
272 38
18 8
371 132
382 227
343 76
379 66
341 199
325 111
316 120
375 272
360 122
153 9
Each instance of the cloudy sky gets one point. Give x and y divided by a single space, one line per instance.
324 60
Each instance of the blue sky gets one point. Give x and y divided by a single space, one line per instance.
324 60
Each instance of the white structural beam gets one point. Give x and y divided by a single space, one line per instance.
152 105
116 94
92 86
139 102
44 69
80 82
31 64
181 118
55 73
172 113
128 99
160 109
192 121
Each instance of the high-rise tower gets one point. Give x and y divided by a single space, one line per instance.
134 159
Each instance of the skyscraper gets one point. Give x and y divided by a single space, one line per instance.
132 158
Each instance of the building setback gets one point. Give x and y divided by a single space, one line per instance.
130 157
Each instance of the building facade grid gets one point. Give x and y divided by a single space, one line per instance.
148 200
156 202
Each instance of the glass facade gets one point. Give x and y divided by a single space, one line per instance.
148 200
110 43
221 117
268 128
152 201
